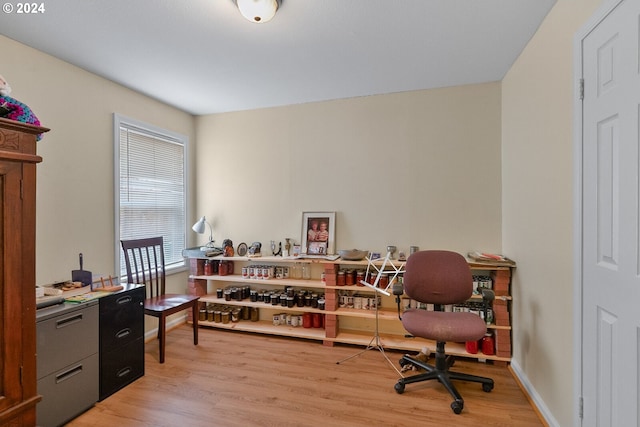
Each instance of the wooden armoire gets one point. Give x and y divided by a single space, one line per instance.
18 160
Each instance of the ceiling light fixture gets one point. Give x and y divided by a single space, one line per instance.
258 11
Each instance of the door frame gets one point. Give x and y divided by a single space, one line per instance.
605 9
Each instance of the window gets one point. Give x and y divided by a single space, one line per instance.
151 187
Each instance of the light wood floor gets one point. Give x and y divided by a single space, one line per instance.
241 379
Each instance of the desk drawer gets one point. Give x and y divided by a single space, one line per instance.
121 366
68 392
67 338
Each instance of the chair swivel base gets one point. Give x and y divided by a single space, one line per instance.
441 373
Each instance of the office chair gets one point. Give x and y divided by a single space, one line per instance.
144 259
440 278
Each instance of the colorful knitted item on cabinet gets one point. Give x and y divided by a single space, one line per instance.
19 112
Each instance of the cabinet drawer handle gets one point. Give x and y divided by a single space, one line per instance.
123 333
124 300
68 321
124 372
68 374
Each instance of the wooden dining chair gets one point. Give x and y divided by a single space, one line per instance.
144 259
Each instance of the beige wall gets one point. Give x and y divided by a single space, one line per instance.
417 168
537 144
75 209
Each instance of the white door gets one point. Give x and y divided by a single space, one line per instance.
611 232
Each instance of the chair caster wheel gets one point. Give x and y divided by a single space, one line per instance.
487 387
457 406
399 387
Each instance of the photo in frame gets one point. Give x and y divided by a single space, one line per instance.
318 233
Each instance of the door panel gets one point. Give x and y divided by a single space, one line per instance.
611 215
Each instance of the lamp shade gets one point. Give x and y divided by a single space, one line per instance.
199 226
258 11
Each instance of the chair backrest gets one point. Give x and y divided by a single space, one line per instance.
438 277
144 260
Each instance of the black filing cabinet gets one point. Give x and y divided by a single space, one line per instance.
67 362
121 339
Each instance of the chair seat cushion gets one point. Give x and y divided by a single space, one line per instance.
444 326
168 301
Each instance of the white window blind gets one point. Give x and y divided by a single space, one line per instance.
151 196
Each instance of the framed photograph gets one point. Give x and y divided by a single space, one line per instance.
318 233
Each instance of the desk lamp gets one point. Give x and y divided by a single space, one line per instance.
199 227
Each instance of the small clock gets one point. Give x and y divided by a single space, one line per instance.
242 249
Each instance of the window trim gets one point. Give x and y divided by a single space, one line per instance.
118 121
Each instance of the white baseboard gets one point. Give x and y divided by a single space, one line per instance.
173 322
533 394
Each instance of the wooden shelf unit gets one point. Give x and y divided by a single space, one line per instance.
337 327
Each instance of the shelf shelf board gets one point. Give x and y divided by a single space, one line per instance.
236 278
402 343
265 327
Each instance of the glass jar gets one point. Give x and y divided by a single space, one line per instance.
296 271
226 316
341 278
350 277
255 314
488 344
306 271
208 268
307 321
359 277
384 281
471 347
223 268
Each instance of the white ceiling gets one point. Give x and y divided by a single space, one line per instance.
203 57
